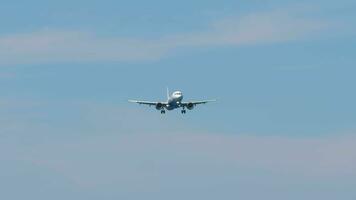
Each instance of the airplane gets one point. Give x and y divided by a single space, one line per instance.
173 102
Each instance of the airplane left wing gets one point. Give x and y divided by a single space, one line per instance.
194 103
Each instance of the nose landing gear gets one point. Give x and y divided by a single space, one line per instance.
163 112
184 111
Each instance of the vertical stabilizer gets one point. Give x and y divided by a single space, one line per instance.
167 93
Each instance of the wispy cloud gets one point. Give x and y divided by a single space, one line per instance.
108 130
64 46
321 157
102 150
47 46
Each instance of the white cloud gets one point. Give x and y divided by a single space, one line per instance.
64 46
75 46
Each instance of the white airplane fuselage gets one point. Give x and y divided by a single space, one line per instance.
175 100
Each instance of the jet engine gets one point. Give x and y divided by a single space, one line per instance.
190 106
159 106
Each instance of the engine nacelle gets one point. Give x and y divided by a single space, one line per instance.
159 106
190 106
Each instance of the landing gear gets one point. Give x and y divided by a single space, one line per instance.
163 112
184 111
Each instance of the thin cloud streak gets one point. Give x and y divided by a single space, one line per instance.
108 130
127 155
114 155
75 46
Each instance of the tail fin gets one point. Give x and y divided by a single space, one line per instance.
167 93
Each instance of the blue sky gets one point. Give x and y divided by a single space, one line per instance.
282 71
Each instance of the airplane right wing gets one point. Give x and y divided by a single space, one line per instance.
150 103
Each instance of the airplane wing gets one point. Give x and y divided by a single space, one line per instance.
194 103
150 103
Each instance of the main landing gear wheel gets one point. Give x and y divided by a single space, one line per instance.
163 112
